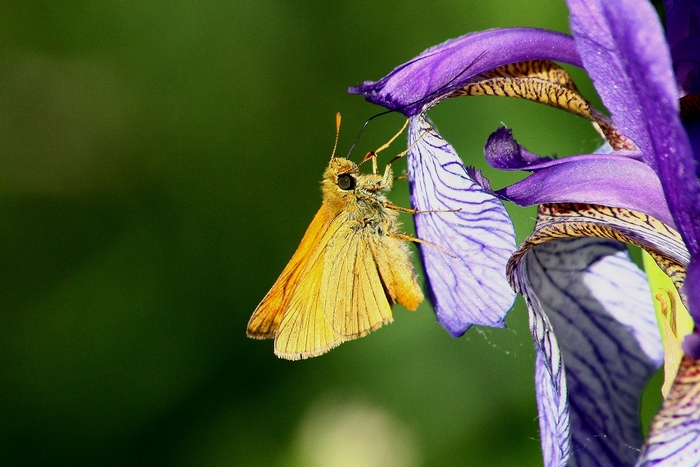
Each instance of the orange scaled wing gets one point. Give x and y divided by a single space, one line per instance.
354 294
397 272
305 330
267 316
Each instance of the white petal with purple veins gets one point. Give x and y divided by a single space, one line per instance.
470 288
599 303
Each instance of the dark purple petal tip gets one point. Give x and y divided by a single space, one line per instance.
691 289
683 33
605 179
691 345
503 152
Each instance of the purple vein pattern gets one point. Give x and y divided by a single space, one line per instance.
676 443
599 303
470 288
550 379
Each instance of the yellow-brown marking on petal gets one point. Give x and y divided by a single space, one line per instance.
569 220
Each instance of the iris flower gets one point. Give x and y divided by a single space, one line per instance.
591 313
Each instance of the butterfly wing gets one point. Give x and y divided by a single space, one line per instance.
267 316
372 272
397 272
353 294
304 330
339 285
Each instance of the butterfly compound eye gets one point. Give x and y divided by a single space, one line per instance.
346 182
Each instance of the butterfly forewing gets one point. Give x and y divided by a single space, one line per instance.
268 315
304 330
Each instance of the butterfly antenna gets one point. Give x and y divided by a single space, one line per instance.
357 138
337 134
397 109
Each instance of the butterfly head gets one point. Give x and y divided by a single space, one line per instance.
342 180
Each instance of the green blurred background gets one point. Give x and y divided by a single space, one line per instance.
159 163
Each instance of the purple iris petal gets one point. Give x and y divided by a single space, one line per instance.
606 179
418 84
625 53
599 303
470 288
691 288
606 36
552 393
683 33
503 152
692 127
688 50
682 20
686 64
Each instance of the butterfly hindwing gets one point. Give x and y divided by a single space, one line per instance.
397 273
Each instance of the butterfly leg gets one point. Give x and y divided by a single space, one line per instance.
408 238
389 205
373 154
387 170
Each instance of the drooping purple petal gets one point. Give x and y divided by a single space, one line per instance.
470 288
606 179
419 83
624 50
598 302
